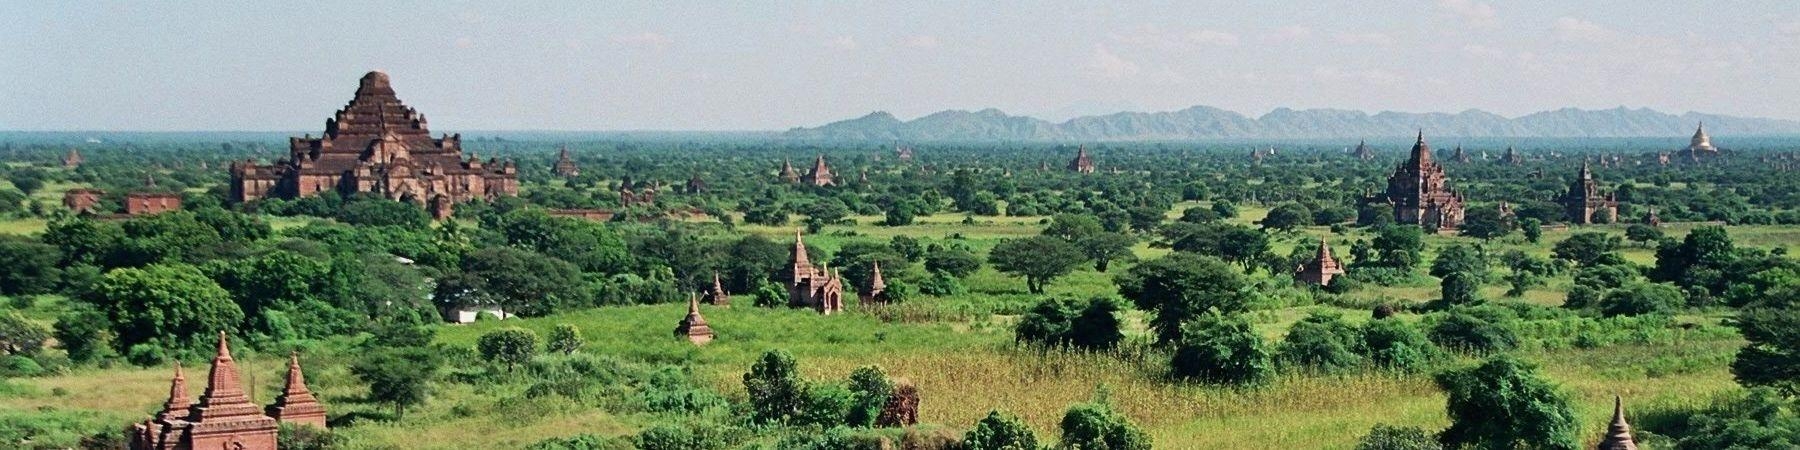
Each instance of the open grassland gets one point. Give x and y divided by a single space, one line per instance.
960 353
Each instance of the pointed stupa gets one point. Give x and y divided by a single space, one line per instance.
876 283
1421 152
717 296
224 397
693 327
296 403
1701 142
178 404
1618 434
787 172
1322 268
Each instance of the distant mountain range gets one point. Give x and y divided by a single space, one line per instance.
1205 122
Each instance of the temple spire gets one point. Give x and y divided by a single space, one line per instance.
177 406
1618 434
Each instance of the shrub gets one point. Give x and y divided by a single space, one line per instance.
1219 349
1642 298
1385 437
826 405
510 346
1095 426
1321 342
306 437
1000 431
695 435
1396 345
21 336
941 284
581 442
565 339
1503 403
1058 322
776 390
869 391
1464 329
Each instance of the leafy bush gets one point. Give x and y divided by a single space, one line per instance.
306 437
1642 298
1096 426
1000 431
1066 321
693 435
1386 437
1219 349
777 393
564 339
1396 345
581 442
1503 403
1475 329
1321 342
510 346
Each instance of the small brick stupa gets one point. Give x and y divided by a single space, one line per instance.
223 419
717 296
1082 163
1321 269
693 327
876 291
296 404
1618 434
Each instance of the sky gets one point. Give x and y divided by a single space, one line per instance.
688 65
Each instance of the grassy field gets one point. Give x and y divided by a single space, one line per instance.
964 366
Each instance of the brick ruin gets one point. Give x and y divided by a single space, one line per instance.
717 295
377 145
565 167
819 175
225 418
1618 433
876 291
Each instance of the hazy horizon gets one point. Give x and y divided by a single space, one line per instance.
747 68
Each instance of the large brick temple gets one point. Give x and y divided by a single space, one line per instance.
1420 193
225 417
377 145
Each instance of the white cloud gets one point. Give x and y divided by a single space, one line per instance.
1370 39
1291 33
1109 65
465 42
1483 52
845 43
1213 37
1476 13
645 39
923 41
1573 29
1366 76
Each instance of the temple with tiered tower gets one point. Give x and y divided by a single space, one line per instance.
225 417
1584 200
377 145
1420 193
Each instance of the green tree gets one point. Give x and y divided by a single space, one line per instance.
510 346
83 331
1504 404
1095 426
1000 431
373 211
564 339
1532 228
869 391
1180 287
1073 227
956 261
398 376
169 305
1104 248
1286 217
1643 233
1772 327
31 268
1484 224
1399 246
1589 249
1040 259
1221 349
900 213
1641 299
1460 289
20 336
1476 330
1387 437
777 393
1322 342
520 281
1396 345
1460 258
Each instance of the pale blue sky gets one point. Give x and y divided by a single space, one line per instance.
772 65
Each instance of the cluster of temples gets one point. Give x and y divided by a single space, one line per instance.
377 145
1420 193
225 417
